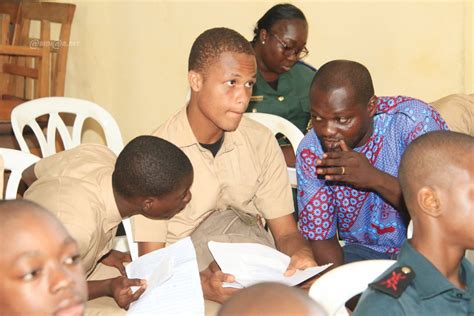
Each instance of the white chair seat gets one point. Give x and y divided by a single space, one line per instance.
334 288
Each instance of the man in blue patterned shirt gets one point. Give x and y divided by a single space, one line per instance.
347 166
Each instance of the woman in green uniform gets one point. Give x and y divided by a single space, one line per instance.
283 81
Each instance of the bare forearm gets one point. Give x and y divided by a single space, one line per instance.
28 176
327 251
146 247
99 288
291 243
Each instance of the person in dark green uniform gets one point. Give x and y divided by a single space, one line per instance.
283 81
432 275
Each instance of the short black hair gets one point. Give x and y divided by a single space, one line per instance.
427 159
150 166
345 73
212 43
282 11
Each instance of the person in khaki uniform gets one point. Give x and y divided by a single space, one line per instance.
239 168
91 191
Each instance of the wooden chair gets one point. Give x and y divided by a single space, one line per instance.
41 59
9 10
29 72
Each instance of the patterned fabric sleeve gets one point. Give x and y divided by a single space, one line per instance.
317 219
423 118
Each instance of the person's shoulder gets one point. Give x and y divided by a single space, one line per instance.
373 302
171 125
304 70
309 140
409 106
402 107
250 128
384 293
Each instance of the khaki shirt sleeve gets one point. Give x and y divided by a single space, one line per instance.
149 230
273 197
458 112
49 165
67 202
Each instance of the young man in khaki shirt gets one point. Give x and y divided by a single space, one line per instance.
91 191
237 162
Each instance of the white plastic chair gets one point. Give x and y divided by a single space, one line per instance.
27 113
334 288
132 245
410 230
16 162
277 125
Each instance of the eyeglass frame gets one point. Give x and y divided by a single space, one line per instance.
290 51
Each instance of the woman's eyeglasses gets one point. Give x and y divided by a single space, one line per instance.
290 51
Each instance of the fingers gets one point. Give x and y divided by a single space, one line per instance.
126 257
138 293
332 162
214 267
336 171
344 146
133 282
229 278
121 268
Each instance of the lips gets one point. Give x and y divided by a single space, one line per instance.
73 309
331 144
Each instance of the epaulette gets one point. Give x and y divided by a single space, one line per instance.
395 282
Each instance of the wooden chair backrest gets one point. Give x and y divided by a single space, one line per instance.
53 81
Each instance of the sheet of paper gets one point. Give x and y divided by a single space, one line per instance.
173 283
252 263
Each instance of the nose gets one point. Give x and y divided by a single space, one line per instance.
60 278
328 129
243 95
293 57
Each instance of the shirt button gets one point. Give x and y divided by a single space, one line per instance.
281 98
459 295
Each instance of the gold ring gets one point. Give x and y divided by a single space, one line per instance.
343 170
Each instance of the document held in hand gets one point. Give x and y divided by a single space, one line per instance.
253 263
173 282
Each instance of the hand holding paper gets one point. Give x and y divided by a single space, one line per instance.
254 263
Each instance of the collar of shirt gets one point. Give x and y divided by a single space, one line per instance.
184 136
429 282
284 84
112 217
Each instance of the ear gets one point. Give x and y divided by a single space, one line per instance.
195 80
372 106
147 204
428 201
263 36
